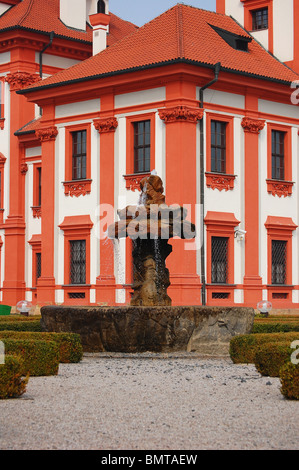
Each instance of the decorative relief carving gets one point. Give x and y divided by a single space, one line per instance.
133 181
20 80
181 113
280 188
36 212
252 125
24 168
220 182
77 188
45 135
105 125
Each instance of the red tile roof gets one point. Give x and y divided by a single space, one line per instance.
43 16
181 33
30 127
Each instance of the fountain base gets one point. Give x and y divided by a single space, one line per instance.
205 330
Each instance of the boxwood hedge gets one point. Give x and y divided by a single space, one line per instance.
12 384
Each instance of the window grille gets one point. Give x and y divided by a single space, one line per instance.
77 262
38 266
220 295
142 146
279 296
219 260
218 146
79 155
278 151
279 261
260 19
76 295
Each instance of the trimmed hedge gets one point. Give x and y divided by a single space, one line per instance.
14 318
273 327
289 379
70 347
12 384
37 358
244 347
20 325
270 358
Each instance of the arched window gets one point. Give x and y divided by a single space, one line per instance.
101 6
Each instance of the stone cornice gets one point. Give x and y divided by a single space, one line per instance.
181 113
253 126
47 134
105 125
20 80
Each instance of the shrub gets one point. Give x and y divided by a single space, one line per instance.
37 358
273 327
20 325
243 348
14 318
70 347
289 378
270 357
12 384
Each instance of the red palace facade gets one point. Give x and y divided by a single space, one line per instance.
90 104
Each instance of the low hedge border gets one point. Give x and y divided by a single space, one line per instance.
289 379
270 357
37 358
20 326
70 347
12 384
244 347
14 318
273 327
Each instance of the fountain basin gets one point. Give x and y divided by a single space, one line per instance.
205 330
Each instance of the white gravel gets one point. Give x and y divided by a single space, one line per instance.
150 402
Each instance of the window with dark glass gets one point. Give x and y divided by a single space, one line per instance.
39 186
279 261
218 146
79 155
260 19
1 103
219 260
278 155
101 6
38 266
142 146
77 261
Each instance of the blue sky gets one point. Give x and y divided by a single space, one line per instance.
141 11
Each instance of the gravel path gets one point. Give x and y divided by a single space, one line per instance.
150 402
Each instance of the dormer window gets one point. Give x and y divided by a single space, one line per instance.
260 19
101 6
236 41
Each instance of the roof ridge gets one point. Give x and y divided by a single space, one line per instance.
180 30
27 12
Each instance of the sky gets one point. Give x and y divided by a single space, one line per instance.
140 12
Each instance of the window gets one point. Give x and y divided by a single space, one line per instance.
142 146
279 262
219 260
101 6
1 104
240 43
278 154
38 266
260 19
77 262
79 155
218 147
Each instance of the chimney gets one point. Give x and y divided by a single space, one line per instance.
99 20
73 13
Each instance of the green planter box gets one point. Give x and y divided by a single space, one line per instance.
5 310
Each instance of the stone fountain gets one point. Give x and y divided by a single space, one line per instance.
150 225
150 322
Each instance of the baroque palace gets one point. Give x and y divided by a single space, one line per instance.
90 104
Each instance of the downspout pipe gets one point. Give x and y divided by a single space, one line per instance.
52 34
202 186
